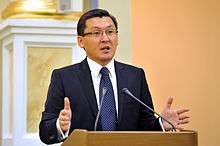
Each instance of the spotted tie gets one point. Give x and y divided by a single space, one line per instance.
108 115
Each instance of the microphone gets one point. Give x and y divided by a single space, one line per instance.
126 91
104 91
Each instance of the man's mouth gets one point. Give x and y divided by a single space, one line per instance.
105 48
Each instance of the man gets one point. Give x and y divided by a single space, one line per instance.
88 95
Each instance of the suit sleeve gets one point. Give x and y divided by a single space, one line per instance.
147 120
54 103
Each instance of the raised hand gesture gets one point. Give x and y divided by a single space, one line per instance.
65 116
176 117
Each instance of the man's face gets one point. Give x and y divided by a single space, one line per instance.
101 39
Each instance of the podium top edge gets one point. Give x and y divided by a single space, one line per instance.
111 132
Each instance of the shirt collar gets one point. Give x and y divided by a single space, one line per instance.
95 67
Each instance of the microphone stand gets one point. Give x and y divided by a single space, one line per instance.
126 91
104 91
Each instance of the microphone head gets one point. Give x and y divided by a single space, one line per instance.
125 90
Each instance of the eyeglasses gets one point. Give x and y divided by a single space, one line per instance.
99 33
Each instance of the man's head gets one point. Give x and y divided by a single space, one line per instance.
97 34
91 14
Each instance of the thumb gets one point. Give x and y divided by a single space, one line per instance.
169 102
66 103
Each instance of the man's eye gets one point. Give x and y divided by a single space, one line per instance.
97 33
111 31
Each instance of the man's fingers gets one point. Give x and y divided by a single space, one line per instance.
65 115
66 103
181 111
64 123
169 102
185 121
64 112
182 117
64 118
179 127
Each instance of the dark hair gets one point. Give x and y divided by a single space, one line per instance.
91 14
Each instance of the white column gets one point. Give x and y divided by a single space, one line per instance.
17 36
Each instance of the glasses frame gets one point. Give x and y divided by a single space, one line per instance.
100 33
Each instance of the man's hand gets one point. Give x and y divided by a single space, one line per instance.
176 117
65 116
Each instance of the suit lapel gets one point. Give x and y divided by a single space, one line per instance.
121 83
87 84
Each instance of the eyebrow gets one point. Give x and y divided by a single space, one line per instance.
96 27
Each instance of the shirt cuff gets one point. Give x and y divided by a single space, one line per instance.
61 135
161 124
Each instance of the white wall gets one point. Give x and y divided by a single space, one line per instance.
122 11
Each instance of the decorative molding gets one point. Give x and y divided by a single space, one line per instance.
46 9
70 6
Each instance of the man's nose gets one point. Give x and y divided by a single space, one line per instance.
104 36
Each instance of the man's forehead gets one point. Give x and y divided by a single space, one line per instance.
99 22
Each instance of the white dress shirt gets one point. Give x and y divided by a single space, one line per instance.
96 77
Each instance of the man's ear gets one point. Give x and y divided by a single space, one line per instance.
80 41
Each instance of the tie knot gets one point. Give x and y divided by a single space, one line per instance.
104 71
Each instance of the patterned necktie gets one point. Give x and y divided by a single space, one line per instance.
108 115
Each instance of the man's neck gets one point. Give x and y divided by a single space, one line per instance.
102 63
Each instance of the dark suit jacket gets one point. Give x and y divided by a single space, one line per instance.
75 82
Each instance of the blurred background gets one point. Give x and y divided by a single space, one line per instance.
176 42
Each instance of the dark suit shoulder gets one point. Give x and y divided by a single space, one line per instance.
127 66
73 68
67 68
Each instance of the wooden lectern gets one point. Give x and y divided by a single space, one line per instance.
131 138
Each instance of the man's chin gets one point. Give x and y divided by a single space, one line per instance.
106 59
